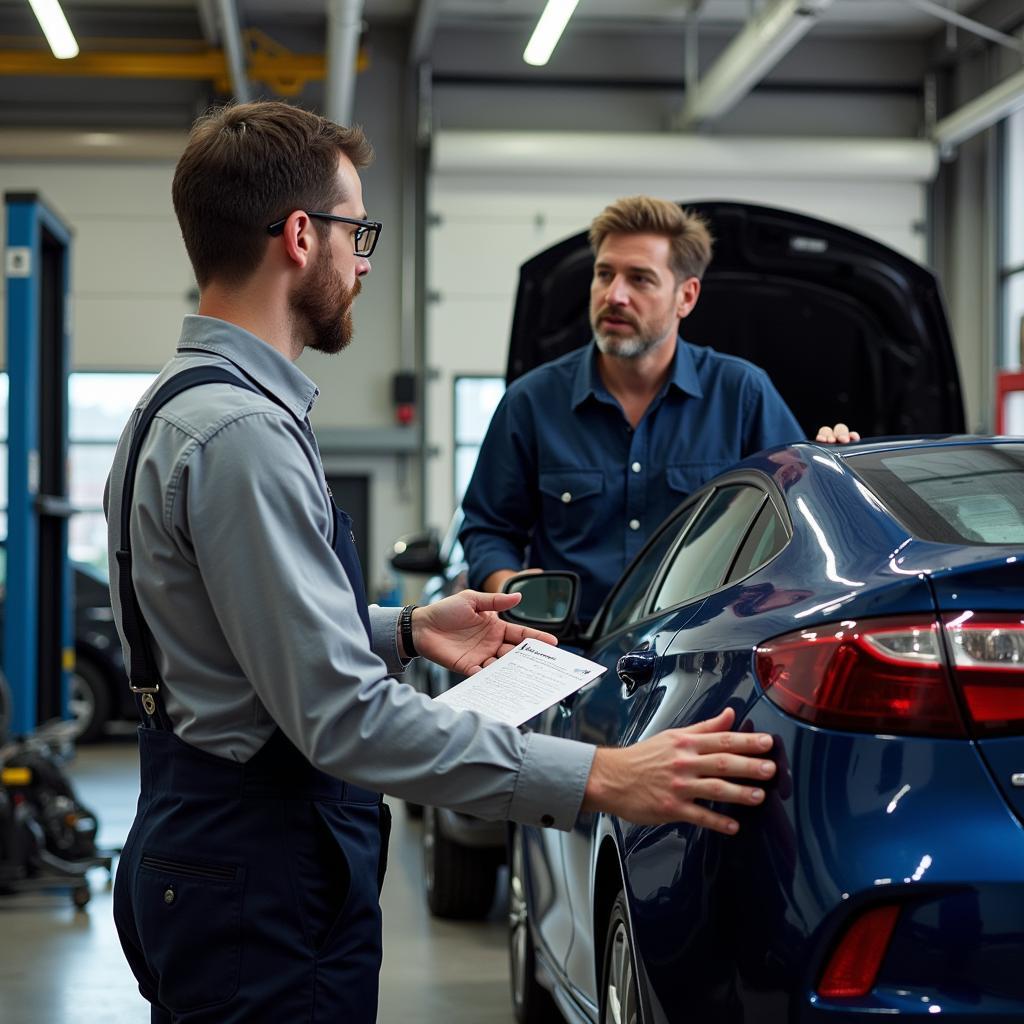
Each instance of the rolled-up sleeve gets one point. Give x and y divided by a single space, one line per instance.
289 616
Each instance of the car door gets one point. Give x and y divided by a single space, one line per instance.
617 626
640 660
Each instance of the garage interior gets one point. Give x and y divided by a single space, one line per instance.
900 119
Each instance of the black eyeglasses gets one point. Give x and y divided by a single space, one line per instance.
365 238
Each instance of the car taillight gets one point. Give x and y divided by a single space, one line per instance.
853 967
988 666
879 675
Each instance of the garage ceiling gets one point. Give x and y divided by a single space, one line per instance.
489 33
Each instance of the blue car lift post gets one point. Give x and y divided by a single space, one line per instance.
38 643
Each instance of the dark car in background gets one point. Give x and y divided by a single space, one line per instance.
865 606
848 330
98 687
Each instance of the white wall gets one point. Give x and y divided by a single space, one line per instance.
496 202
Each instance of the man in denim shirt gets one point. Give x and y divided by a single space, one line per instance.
586 455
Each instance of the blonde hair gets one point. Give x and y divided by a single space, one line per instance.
689 238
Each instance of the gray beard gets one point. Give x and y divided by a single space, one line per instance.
625 348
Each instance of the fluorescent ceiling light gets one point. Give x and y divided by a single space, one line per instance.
981 113
549 30
55 27
762 42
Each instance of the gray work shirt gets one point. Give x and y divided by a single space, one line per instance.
255 623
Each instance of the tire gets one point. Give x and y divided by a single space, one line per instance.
88 701
531 1001
460 881
620 997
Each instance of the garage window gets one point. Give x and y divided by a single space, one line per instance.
99 407
476 398
1012 262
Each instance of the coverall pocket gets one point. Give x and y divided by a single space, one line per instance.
189 916
321 870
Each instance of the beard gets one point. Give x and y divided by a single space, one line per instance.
321 309
645 337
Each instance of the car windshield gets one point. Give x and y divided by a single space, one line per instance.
956 494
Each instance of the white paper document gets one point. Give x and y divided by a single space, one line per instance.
522 684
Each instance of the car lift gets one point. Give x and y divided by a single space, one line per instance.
37 643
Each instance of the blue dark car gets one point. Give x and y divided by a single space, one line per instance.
865 606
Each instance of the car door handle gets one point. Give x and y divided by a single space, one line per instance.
637 668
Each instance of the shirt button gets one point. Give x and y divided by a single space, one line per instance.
566 497
168 896
636 467
547 821
634 524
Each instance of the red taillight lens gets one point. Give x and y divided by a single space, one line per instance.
988 665
882 675
853 967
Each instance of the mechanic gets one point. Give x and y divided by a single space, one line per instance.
248 886
586 455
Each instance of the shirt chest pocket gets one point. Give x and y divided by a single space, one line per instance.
571 500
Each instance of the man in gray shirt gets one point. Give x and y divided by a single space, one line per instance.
248 886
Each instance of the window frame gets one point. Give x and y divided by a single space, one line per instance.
690 509
458 446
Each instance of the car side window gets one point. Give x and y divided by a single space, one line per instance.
625 605
767 537
700 562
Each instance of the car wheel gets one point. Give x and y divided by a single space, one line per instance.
460 880
531 1001
620 1000
88 701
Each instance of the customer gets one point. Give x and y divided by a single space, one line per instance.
585 456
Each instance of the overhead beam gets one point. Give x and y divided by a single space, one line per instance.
980 113
281 71
764 40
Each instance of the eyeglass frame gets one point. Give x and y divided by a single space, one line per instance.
375 226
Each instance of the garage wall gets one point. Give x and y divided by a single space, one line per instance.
497 199
132 284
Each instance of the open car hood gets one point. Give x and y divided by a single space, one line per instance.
848 329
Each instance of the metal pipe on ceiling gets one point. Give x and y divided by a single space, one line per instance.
344 23
235 49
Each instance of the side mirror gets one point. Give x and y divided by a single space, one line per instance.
418 553
549 600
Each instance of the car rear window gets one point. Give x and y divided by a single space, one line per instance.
956 494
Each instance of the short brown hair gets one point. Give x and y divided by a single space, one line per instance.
689 238
247 165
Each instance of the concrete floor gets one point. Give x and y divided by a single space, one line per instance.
62 966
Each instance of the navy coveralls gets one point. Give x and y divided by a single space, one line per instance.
245 892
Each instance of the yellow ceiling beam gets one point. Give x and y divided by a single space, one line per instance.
279 69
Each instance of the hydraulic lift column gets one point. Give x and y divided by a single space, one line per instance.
38 643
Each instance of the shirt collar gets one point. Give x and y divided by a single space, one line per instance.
682 375
254 357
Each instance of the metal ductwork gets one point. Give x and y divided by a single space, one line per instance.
344 24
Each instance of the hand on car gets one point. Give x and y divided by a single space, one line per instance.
463 632
660 779
839 434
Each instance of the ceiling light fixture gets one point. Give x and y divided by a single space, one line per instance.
55 27
549 30
762 42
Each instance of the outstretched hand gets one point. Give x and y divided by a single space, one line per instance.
661 779
463 632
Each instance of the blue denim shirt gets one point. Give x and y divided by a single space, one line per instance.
564 482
